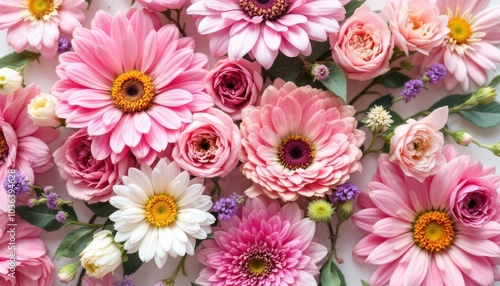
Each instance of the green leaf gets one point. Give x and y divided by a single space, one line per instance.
398 120
483 115
318 50
90 2
40 216
352 6
364 283
450 101
18 61
336 81
132 264
288 69
392 79
70 211
193 284
307 79
74 242
330 275
384 101
495 81
102 209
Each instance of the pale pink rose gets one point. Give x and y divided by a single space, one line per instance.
234 85
107 280
162 5
33 266
416 24
364 45
208 147
86 178
417 145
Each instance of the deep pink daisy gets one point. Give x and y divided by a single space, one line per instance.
132 82
301 141
265 245
442 231
265 27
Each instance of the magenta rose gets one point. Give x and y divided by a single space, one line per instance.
208 146
86 178
234 85
363 46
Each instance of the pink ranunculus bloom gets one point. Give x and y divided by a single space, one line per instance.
416 24
416 146
264 28
208 147
413 236
37 25
301 141
470 49
265 244
107 280
162 5
132 83
86 178
364 45
234 85
33 266
23 145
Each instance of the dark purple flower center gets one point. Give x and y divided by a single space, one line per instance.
4 148
473 203
296 152
267 9
203 147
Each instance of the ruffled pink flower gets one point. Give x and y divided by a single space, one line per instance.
86 178
37 24
413 237
416 146
208 147
264 28
162 5
234 85
23 145
132 82
363 46
107 280
33 266
265 245
416 24
301 141
469 50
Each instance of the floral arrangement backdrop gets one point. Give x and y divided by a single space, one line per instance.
223 142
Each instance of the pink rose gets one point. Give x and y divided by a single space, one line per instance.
234 85
86 178
417 145
33 266
107 280
416 24
208 146
363 46
162 5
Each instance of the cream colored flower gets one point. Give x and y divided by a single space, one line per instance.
102 255
378 119
10 81
41 110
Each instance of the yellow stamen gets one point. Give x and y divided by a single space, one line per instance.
460 30
40 8
433 231
161 210
257 266
132 91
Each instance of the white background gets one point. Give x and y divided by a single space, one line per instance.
43 73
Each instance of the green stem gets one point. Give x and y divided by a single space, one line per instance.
80 278
370 145
176 20
361 93
79 223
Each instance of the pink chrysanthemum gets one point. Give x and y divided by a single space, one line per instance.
264 28
37 24
265 245
162 5
23 145
468 51
417 235
132 82
300 141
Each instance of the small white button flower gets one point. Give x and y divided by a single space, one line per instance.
378 119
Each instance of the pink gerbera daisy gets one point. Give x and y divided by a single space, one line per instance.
132 82
265 245
442 231
468 50
300 141
38 23
264 28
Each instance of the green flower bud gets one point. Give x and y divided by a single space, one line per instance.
67 273
483 95
462 137
345 210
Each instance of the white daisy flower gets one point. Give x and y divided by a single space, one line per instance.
161 212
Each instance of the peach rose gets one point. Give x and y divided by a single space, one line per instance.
364 45
416 24
417 145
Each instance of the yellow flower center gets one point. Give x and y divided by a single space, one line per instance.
40 8
433 231
132 91
161 210
320 211
4 148
460 30
257 266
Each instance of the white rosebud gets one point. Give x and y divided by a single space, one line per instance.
41 110
10 81
102 255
